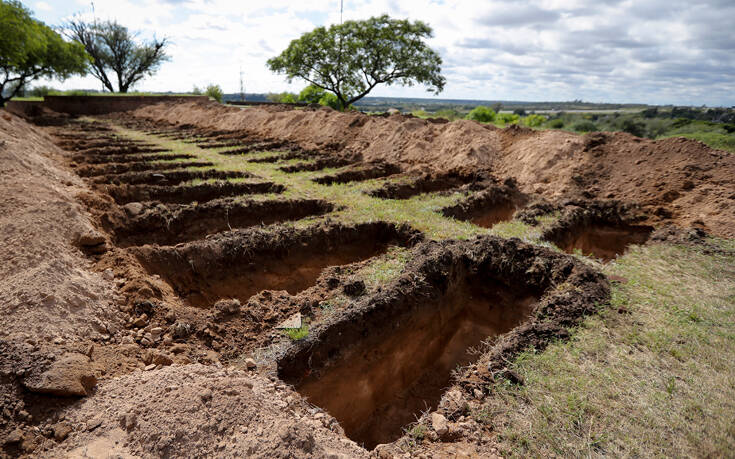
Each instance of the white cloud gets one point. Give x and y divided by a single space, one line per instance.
614 50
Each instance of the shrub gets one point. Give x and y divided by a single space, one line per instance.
585 126
482 114
215 92
534 120
283 98
508 118
634 127
556 124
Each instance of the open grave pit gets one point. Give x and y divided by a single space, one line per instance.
379 365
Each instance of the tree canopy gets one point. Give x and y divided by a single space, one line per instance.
115 51
29 50
350 59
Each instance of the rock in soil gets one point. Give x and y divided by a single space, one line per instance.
70 376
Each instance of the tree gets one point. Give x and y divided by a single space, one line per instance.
215 92
115 50
350 59
482 114
315 95
29 50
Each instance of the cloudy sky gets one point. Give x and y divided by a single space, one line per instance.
652 51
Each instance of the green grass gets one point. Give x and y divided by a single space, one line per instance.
296 334
651 376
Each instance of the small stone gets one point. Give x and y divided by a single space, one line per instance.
227 307
90 239
108 274
292 322
150 367
133 208
206 395
71 375
250 363
178 348
61 430
181 330
16 436
127 340
140 321
439 424
478 394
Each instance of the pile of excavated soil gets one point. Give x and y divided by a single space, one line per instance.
679 180
201 411
46 292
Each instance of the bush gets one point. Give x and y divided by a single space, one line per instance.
585 126
534 120
482 114
556 124
215 92
508 118
312 94
634 127
283 98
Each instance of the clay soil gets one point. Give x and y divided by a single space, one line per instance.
186 280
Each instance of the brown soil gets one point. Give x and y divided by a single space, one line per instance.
241 263
604 229
318 164
676 180
378 366
182 194
491 205
168 177
172 224
360 173
102 159
429 183
122 168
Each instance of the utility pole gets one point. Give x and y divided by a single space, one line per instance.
242 87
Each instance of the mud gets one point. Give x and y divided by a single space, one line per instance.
169 178
428 183
241 263
173 224
360 173
494 204
182 194
377 366
140 166
603 229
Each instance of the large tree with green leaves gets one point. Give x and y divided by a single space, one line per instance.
116 53
350 59
29 50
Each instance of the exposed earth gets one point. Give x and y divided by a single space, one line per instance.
193 280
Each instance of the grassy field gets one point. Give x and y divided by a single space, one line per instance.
650 375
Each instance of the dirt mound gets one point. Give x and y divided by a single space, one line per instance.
200 411
676 180
45 290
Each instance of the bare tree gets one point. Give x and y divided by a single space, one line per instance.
115 52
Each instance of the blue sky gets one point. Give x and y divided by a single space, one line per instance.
651 51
